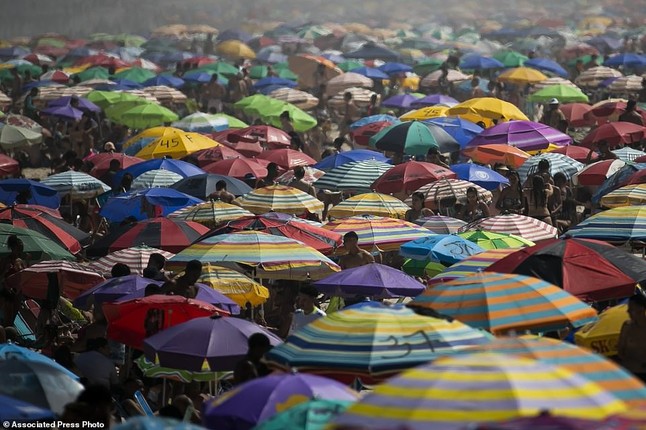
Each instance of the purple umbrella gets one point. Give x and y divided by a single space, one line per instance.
63 112
220 341
260 399
525 135
373 280
83 104
114 289
434 99
400 101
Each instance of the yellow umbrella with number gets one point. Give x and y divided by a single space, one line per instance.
486 109
176 145
602 336
425 113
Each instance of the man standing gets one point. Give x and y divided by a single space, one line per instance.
306 309
355 256
554 116
631 114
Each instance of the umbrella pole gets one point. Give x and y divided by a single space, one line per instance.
163 402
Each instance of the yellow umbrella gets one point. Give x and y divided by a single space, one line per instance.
235 49
486 109
522 75
76 69
411 82
150 133
551 147
236 286
370 203
602 336
176 145
425 113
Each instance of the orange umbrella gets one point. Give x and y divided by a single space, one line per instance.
497 153
306 66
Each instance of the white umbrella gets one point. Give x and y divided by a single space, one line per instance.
347 80
12 137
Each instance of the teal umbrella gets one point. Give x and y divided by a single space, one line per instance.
310 415
36 245
135 74
511 58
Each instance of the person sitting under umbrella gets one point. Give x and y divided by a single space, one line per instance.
474 209
185 284
300 184
418 210
221 193
306 309
604 153
155 268
252 365
355 256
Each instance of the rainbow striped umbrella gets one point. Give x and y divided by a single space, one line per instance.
492 240
211 213
630 195
440 224
618 224
386 234
446 193
501 302
236 286
268 256
456 392
519 225
136 258
372 204
372 340
356 175
470 265
594 367
279 198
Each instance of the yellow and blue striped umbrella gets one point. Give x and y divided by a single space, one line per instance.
500 302
455 392
372 340
618 224
279 198
211 213
371 204
268 256
473 264
630 195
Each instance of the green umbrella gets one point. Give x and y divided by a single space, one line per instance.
115 111
135 74
257 105
287 74
425 67
221 67
105 99
140 115
130 40
233 121
152 370
258 72
93 73
422 268
38 246
585 59
511 58
100 37
564 93
350 64
51 41
309 415
314 32
302 120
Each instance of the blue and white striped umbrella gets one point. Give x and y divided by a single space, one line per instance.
157 178
558 163
200 122
357 175
628 154
76 184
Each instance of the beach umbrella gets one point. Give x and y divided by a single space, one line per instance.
394 68
440 224
577 153
595 174
139 115
626 84
373 118
442 248
163 80
577 114
234 123
102 162
496 153
620 224
311 175
104 99
273 81
525 135
448 192
410 176
628 154
152 370
348 65
38 246
487 109
310 415
610 273
200 122
510 58
68 113
270 394
370 203
432 79
479 175
146 203
559 390
346 81
83 104
551 82
474 264
300 99
113 289
279 198
522 76
360 96
177 166
340 158
369 72
13 137
211 213
203 185
489 240
362 135
14 410
629 195
136 258
235 49
135 74
400 101
301 120
615 134
546 65
478 62
626 59
564 94
592 77
385 234
602 336
9 351
628 174
73 279
518 225
233 284
77 185
8 166
344 343
158 178
413 138
356 175
267 255
461 130
287 158
434 99
271 136
558 163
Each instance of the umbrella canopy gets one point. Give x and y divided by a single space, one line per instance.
372 341
546 65
287 158
461 130
8 166
157 178
630 195
13 137
369 72
434 99
413 138
356 175
626 84
372 204
577 153
487 109
136 258
618 225
269 256
102 162
501 303
38 246
602 336
471 265
340 158
146 203
479 175
410 176
311 415
260 399
595 174
522 76
440 224
446 193
77 185
490 240
279 198
370 119
300 99
19 411
346 81
519 225
72 279
140 116
497 153
478 62
425 113
626 59
628 154
238 168
400 101
204 157
226 343
203 185
558 163
592 77
271 136
68 113
236 286
176 145
9 351
576 114
235 49
211 213
525 135
113 289
442 248
437 403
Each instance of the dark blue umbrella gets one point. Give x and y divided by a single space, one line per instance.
274 80
202 186
39 84
169 81
204 293
234 34
370 72
18 411
400 101
460 129
606 82
125 83
83 104
394 68
134 203
270 89
341 158
626 60
546 65
479 175
434 99
63 112
39 194
13 51
605 43
617 180
373 118
478 62
176 166
112 290
371 51
175 57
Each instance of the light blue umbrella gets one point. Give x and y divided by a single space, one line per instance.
462 130
370 72
19 411
9 351
628 154
373 118
479 175
444 248
155 423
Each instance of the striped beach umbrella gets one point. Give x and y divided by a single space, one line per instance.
152 370
372 340
618 225
157 178
596 173
630 195
440 224
357 175
236 286
448 395
471 265
592 77
501 302
492 240
558 163
77 185
279 198
628 154
266 255
371 204
385 234
210 213
136 258
73 279
519 225
446 193
604 372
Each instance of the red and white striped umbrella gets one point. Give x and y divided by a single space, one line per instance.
596 173
136 258
447 192
73 279
519 225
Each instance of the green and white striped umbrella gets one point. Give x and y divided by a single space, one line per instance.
152 370
157 178
76 184
357 175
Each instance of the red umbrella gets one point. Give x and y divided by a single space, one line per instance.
218 153
73 279
132 321
102 162
639 177
324 241
199 61
38 59
641 159
616 134
247 146
579 153
52 51
271 136
237 168
410 176
287 158
103 61
575 114
610 109
363 134
595 174
8 166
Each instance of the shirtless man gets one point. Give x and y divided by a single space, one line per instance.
356 256
185 284
221 193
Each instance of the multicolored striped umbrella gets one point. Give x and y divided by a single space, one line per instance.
266 255
471 265
440 224
78 185
157 178
501 302
357 175
136 258
372 340
73 279
447 193
519 225
456 392
236 286
210 213
618 224
279 198
371 204
559 163
630 195
385 234
604 372
491 240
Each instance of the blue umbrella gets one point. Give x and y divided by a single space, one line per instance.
124 83
13 51
606 82
175 57
133 204
39 194
460 129
373 118
618 179
234 34
63 112
465 86
371 51
83 104
626 60
270 89
169 81
605 43
393 68
197 77
479 175
546 65
335 58
202 186
155 423
38 84
444 248
478 62
274 80
16 410
341 158
370 72
176 166
400 101
9 351
434 99
269 56
112 290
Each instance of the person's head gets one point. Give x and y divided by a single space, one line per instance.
214 77
554 104
126 181
631 105
560 179
23 196
472 195
347 96
418 200
637 308
299 173
182 403
538 183
475 82
151 290
99 344
115 165
14 243
156 261
132 385
306 299
514 178
119 269
338 142
544 166
11 334
295 142
221 185
272 169
373 99
259 345
351 241
284 117
33 92
603 147
193 271
109 147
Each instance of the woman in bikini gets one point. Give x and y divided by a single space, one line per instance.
537 199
